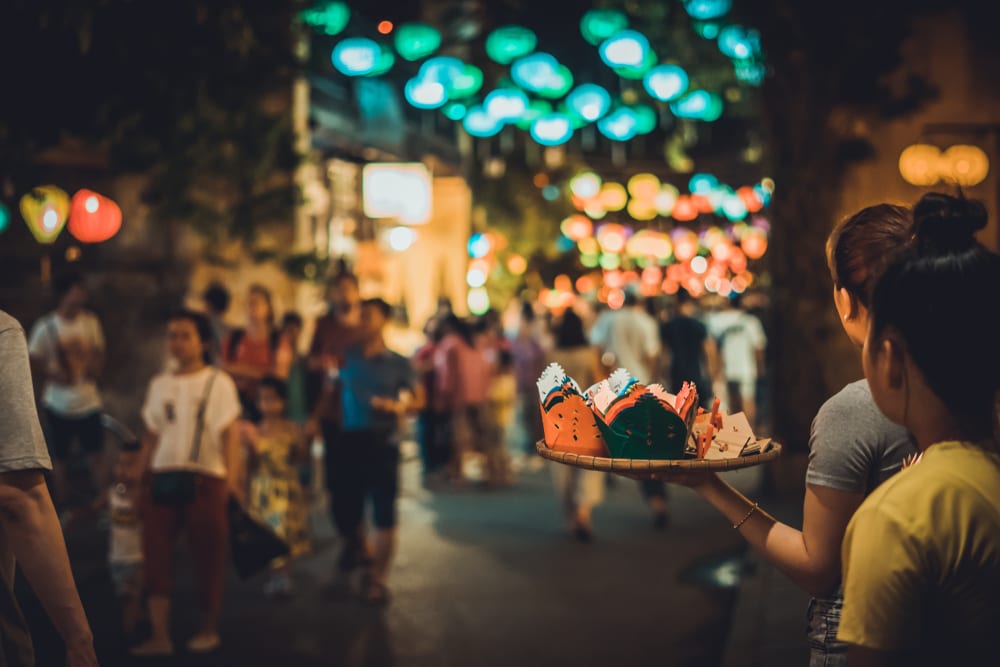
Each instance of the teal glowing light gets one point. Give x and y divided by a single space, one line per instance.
646 119
627 48
666 82
442 69
535 72
749 71
414 41
707 9
454 111
737 42
559 84
425 94
535 109
506 104
638 73
552 129
329 18
619 125
599 24
467 83
699 105
383 63
479 246
589 101
551 193
478 123
734 208
4 218
356 56
702 184
508 43
707 29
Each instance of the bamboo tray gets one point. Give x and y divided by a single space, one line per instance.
639 466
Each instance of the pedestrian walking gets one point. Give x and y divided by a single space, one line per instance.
378 388
742 344
67 351
191 452
30 527
216 299
922 553
692 355
277 448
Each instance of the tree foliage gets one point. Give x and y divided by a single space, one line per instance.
193 93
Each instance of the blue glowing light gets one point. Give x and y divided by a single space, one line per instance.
356 56
506 105
626 48
425 94
589 101
534 72
699 105
551 129
507 43
442 69
738 42
707 9
702 184
479 246
666 82
619 125
478 123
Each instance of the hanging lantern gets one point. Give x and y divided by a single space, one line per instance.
4 217
506 104
918 164
644 186
685 244
707 9
577 227
585 185
517 264
599 24
356 56
467 83
666 82
649 243
93 218
612 237
613 196
508 43
45 209
589 101
754 243
665 199
478 123
417 40
641 209
684 209
627 48
329 18
551 129
964 165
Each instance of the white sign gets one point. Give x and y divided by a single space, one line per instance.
397 190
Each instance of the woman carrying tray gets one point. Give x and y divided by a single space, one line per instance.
853 447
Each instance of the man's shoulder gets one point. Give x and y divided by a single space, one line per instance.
8 322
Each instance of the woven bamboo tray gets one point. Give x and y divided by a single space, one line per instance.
639 466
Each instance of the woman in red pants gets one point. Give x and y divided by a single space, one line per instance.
190 448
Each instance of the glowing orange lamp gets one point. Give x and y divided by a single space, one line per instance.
94 218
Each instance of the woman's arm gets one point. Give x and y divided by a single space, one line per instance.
810 557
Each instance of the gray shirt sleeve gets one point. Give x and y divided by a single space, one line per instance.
22 445
844 441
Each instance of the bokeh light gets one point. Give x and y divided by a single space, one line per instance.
666 82
414 41
401 238
508 43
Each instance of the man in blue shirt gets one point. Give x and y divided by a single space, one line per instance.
378 387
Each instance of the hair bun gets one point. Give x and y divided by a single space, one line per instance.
942 223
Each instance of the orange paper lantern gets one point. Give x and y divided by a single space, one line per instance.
44 209
94 218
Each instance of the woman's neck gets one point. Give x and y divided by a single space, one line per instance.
189 367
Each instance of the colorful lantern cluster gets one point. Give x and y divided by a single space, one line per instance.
738 43
540 94
646 198
93 218
926 165
484 249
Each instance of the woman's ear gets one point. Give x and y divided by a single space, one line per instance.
847 305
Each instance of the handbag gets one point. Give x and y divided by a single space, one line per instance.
177 488
252 543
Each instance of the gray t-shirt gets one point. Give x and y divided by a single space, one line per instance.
22 447
852 445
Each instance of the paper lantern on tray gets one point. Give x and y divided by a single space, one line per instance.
568 422
93 218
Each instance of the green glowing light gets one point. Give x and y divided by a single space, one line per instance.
414 41
599 24
329 18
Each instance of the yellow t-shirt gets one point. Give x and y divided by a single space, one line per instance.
921 560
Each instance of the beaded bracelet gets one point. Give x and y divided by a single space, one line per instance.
744 519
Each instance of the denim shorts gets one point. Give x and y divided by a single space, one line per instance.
823 619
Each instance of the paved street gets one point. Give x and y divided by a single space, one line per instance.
482 578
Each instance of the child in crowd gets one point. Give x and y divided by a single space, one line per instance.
276 448
125 561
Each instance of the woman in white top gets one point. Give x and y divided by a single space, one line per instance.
190 449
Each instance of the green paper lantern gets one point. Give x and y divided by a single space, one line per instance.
558 84
599 24
455 111
646 119
467 83
414 41
383 63
508 43
4 217
636 73
329 18
536 109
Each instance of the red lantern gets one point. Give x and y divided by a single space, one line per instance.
93 218
754 243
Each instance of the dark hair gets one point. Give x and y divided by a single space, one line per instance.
505 359
569 332
458 325
201 325
217 297
938 296
131 445
291 317
265 293
683 296
861 245
381 304
343 276
66 281
276 384
631 299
